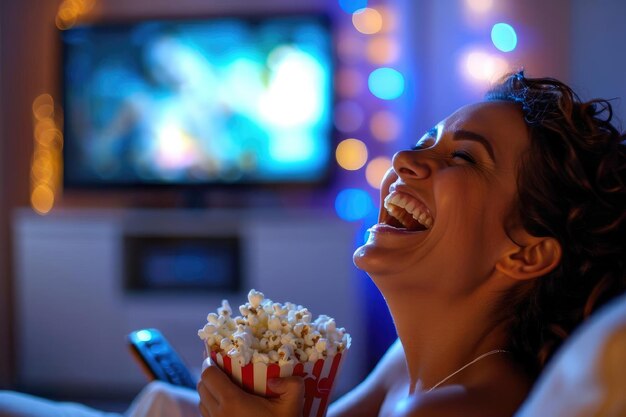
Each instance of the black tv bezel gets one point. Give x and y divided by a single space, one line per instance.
323 182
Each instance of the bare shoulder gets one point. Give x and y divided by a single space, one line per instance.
392 366
497 391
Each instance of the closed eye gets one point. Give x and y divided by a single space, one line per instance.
464 155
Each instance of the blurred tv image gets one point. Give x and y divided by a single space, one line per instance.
221 100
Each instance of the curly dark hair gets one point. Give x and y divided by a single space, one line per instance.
572 187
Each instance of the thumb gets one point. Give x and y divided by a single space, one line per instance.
290 391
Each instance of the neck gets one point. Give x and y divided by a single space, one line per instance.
441 335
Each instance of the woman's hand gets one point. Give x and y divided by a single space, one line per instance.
220 397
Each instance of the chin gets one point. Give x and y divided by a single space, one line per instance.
372 260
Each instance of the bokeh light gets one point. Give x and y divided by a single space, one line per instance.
382 50
350 47
43 107
376 169
386 83
385 126
482 66
389 17
42 170
479 6
42 198
367 21
353 204
349 116
351 6
349 82
45 168
351 154
70 10
504 37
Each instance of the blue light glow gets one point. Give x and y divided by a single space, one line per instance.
353 204
504 37
144 335
386 83
351 6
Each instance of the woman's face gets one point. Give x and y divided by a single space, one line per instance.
446 203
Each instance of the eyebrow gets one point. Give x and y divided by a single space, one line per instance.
469 135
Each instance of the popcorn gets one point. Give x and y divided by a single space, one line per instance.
268 332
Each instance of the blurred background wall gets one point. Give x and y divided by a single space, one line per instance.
442 49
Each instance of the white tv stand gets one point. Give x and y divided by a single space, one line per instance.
73 311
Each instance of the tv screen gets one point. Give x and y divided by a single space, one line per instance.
229 100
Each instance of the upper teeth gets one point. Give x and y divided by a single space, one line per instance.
412 206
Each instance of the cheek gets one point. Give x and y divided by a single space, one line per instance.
475 211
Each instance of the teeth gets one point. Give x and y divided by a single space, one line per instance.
395 201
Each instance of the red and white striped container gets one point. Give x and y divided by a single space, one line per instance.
319 378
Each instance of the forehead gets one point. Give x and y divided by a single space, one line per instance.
499 121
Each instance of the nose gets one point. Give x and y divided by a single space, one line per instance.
410 166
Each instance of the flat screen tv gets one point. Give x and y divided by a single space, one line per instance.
213 101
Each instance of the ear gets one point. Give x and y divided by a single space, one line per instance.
535 258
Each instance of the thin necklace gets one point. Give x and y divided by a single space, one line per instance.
484 355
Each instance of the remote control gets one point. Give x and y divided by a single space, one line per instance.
158 359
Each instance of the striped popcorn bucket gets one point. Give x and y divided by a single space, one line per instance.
319 378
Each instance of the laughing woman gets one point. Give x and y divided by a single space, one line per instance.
500 231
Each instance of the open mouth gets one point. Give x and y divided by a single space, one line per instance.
403 211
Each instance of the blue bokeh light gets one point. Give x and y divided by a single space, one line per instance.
386 83
351 6
353 204
504 37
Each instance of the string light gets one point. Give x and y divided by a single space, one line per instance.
349 82
353 204
351 6
504 37
479 6
484 67
45 170
351 154
349 116
382 50
386 83
376 169
367 21
70 11
385 126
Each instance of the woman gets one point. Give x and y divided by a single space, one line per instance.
499 232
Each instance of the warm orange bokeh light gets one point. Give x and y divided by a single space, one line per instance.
42 199
45 165
382 50
482 66
367 20
376 169
70 10
349 82
351 154
385 126
349 47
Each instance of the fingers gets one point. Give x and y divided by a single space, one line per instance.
208 403
204 411
292 386
215 383
291 391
